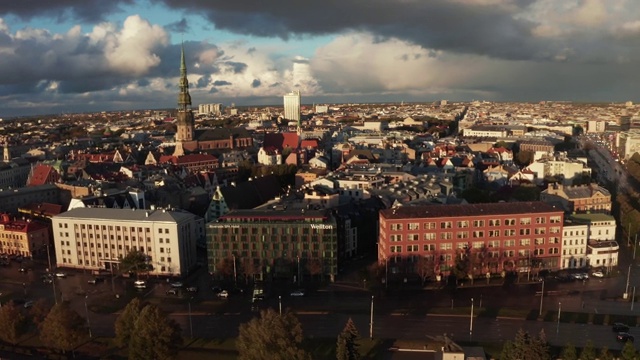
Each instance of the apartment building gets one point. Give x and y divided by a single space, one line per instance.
22 237
500 236
97 238
580 199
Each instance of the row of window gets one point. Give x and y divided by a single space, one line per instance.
461 224
490 254
289 230
462 235
273 246
272 239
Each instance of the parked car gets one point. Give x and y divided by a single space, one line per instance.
95 280
24 269
177 284
61 274
223 294
172 292
624 337
28 304
140 284
297 293
620 327
216 289
598 274
192 289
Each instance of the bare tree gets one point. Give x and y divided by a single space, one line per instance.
424 266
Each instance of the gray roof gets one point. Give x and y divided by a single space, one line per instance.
126 215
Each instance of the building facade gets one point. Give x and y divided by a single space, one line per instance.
497 237
274 243
580 199
22 237
292 106
97 238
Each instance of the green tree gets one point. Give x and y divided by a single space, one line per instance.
12 323
588 352
347 345
63 328
629 351
525 347
569 352
135 262
154 336
126 322
605 354
271 336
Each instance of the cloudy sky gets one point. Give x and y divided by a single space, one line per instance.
93 55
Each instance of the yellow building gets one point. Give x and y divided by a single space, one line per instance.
22 237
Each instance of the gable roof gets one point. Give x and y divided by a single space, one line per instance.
250 194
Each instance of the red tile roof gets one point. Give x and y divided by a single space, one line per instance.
466 210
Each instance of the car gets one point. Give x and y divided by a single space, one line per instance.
598 274
95 280
47 280
24 270
624 337
28 304
216 289
140 284
620 327
172 292
177 284
297 293
223 294
61 274
192 289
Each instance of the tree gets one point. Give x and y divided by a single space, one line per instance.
154 336
224 267
425 267
135 262
314 267
347 345
39 311
605 354
569 352
271 336
525 347
629 352
12 323
588 352
126 321
63 328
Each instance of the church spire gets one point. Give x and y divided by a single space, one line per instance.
184 99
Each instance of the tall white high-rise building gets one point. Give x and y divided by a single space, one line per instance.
292 106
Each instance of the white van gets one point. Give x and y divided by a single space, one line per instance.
140 284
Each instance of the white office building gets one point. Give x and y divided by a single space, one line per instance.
292 106
97 238
210 109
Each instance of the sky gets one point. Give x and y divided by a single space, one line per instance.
68 56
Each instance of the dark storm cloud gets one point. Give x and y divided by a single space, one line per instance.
236 67
204 81
84 10
181 26
256 83
221 83
441 24
213 90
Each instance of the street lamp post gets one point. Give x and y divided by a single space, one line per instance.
235 274
280 303
49 258
541 298
86 310
559 312
371 320
626 289
635 245
298 257
471 320
190 321
633 297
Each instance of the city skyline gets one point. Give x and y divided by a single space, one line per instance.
77 56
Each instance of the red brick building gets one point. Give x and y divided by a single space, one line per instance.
495 237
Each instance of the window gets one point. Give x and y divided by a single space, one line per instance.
509 243
429 247
478 234
395 237
446 235
429 236
446 225
539 231
539 241
412 248
525 221
463 224
525 231
555 219
495 222
396 248
396 227
428 226
478 244
462 245
541 220
413 226
413 237
538 252
510 232
446 246
462 235
494 233
510 222
525 242
478 223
